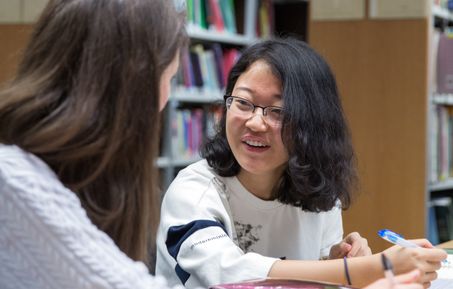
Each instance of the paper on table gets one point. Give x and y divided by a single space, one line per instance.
444 275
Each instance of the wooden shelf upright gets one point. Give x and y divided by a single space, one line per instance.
382 71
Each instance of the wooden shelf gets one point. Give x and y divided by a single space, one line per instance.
196 95
443 99
163 162
440 186
385 102
216 36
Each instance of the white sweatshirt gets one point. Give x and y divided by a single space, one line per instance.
214 231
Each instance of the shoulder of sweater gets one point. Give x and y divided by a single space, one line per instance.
194 184
199 172
14 161
50 228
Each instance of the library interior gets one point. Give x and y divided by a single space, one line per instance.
393 61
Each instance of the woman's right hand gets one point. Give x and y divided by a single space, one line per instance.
426 259
404 281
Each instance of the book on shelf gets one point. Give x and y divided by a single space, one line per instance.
197 70
445 4
433 234
206 79
441 143
189 128
200 13
251 18
206 66
227 8
444 72
442 210
275 283
214 15
265 20
434 48
218 58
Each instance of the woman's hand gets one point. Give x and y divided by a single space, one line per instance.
353 245
405 281
426 259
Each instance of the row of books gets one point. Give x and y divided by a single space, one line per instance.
440 219
206 66
441 146
441 130
447 4
253 18
189 129
212 14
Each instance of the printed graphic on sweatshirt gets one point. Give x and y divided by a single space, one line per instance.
247 235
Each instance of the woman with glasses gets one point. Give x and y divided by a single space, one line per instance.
266 200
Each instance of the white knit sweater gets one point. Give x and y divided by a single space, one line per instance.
46 238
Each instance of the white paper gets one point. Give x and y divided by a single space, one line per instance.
444 275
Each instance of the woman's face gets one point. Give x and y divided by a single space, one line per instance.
165 81
256 145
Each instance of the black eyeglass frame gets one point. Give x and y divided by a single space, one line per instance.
264 108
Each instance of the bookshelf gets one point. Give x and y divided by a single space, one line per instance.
216 39
16 23
440 188
384 74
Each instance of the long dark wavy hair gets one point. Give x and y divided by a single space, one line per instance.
322 168
86 101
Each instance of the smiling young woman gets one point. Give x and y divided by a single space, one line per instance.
266 201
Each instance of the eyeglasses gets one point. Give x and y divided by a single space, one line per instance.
273 115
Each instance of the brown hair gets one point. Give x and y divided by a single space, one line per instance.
86 101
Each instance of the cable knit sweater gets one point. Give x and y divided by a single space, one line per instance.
46 238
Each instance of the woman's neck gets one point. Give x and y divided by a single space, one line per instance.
261 186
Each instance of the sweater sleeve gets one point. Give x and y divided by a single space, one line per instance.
47 240
195 242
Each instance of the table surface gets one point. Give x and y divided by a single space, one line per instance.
446 245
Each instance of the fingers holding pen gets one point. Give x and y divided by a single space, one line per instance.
424 259
417 253
429 259
424 243
434 255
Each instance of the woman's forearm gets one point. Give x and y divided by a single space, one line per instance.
362 270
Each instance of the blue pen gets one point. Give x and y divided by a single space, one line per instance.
396 239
